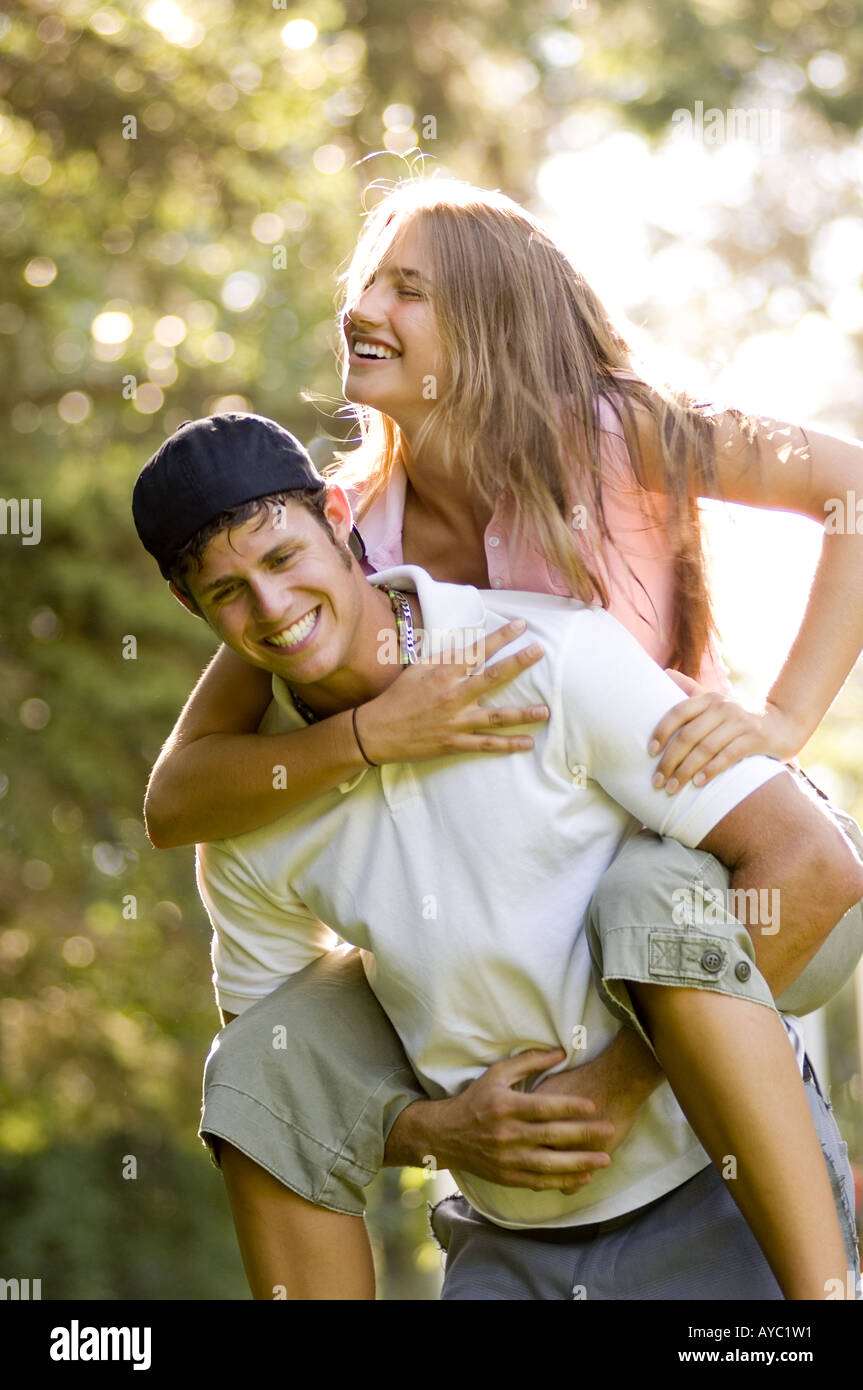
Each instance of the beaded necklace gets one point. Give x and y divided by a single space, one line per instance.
407 647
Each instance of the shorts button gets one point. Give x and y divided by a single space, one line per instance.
712 961
743 970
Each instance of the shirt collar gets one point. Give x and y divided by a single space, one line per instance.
446 608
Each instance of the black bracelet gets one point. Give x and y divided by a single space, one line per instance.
357 737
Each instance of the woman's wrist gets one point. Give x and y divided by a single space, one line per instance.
788 732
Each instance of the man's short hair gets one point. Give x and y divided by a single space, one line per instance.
192 553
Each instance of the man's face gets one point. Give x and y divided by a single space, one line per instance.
280 594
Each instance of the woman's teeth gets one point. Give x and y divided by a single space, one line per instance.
290 636
374 350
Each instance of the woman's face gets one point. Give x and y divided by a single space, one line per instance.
396 361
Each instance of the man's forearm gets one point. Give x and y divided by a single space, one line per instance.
629 1067
416 1134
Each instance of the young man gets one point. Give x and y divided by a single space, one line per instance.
466 885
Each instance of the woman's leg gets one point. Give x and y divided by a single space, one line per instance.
658 923
734 1072
292 1249
300 1093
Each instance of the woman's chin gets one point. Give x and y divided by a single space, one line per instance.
370 399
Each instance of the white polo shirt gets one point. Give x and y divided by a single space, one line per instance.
466 880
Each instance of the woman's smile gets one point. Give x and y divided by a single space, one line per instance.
364 348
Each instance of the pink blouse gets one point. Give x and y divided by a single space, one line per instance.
640 535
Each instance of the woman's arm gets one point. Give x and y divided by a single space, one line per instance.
786 469
215 776
808 472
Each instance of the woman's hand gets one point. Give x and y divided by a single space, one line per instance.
707 733
434 709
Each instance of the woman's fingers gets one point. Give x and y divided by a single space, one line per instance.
434 708
478 722
498 717
700 772
740 748
507 668
704 738
488 644
674 720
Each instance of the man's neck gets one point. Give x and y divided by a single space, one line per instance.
371 671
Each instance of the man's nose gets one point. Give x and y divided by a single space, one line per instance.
269 600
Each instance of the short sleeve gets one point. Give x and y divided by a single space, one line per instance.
258 941
613 696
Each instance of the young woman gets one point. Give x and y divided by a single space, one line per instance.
508 442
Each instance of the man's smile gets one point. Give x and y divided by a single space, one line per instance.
291 639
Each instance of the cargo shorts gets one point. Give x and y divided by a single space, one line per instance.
664 914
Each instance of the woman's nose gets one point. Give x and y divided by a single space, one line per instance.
368 309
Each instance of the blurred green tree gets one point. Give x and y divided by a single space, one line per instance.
183 180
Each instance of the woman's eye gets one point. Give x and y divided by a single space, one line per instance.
408 293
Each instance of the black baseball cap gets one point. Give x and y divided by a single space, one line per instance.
208 466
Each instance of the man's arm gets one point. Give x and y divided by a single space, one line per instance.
539 1141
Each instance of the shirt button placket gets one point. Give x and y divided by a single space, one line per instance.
495 563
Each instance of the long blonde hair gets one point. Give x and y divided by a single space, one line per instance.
531 351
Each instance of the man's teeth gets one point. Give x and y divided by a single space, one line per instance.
374 350
292 635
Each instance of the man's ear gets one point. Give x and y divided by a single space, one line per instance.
337 510
187 602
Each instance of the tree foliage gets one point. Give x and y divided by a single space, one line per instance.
183 183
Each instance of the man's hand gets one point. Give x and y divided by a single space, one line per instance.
539 1140
618 1082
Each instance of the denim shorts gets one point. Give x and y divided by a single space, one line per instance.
691 1244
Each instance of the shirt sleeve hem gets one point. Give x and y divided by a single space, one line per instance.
701 819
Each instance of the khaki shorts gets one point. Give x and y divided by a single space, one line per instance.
309 1081
660 915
